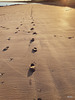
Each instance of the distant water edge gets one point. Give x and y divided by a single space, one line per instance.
10 3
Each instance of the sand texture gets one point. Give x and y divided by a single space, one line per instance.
45 36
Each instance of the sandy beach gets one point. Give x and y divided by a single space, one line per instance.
53 30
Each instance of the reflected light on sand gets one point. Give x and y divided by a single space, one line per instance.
67 8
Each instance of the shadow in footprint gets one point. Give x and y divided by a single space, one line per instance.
21 24
9 38
17 28
34 33
70 37
2 82
1 74
32 22
5 48
16 32
34 50
32 40
32 29
11 59
31 70
3 27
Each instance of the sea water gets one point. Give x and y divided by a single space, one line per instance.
11 3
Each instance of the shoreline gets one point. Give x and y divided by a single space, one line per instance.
41 2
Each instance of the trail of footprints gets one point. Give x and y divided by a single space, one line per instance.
32 66
34 50
1 75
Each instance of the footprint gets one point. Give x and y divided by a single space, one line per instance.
16 32
28 31
11 59
31 70
32 40
9 38
1 74
32 67
17 28
3 27
34 50
32 29
32 22
34 33
21 24
54 35
70 37
2 82
5 48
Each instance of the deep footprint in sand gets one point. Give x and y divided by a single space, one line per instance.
32 29
16 32
17 28
31 71
34 33
34 50
5 48
32 67
32 40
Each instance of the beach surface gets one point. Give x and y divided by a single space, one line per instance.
53 30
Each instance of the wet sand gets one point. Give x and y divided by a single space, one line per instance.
51 31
